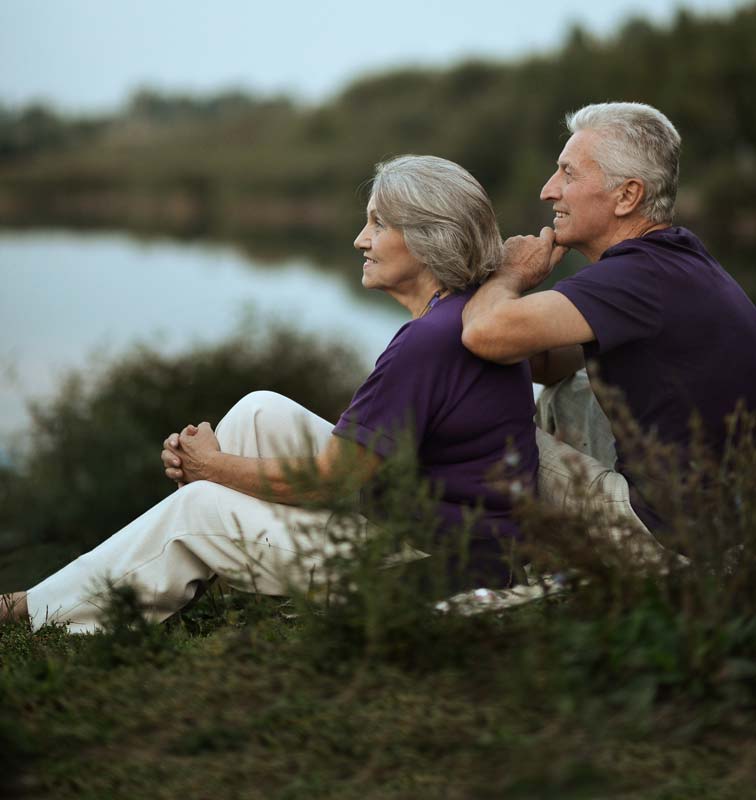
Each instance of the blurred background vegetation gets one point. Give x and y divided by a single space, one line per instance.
91 461
275 176
635 686
261 170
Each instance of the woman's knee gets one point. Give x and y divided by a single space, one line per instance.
198 497
266 424
260 403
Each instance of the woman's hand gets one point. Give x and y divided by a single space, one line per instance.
197 445
171 458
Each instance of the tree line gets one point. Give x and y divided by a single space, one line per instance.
237 165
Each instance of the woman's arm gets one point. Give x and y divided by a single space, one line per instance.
342 466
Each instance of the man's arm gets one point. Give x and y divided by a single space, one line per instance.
501 325
552 366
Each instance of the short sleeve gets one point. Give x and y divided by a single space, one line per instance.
619 298
398 396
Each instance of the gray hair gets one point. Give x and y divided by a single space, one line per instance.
445 216
637 141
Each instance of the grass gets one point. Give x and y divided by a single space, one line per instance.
231 699
612 691
637 684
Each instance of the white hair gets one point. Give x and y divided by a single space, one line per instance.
445 216
637 141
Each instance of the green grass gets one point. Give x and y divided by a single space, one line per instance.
638 684
231 700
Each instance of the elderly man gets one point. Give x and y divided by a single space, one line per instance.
657 315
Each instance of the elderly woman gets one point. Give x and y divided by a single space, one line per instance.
429 240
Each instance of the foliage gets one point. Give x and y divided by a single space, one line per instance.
250 168
639 682
92 460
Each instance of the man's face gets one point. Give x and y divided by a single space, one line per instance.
584 218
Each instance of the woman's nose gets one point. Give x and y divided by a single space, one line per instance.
362 242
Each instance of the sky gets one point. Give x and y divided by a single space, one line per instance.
87 56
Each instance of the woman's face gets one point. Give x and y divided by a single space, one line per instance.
389 265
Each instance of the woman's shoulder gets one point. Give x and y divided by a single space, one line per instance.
442 325
435 337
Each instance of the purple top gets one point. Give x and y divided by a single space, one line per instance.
674 332
463 413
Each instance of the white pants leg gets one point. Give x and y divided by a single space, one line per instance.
570 412
201 530
576 458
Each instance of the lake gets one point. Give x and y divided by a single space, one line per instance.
69 296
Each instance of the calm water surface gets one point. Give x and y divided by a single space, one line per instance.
66 296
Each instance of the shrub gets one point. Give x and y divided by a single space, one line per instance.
92 463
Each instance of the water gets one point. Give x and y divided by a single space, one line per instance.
66 296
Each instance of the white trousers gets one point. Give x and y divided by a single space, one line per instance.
201 530
576 464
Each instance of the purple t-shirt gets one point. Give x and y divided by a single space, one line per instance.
674 332
463 412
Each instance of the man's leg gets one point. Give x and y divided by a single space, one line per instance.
576 460
575 482
570 412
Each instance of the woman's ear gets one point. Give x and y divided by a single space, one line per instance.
629 195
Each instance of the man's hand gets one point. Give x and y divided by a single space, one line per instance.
529 260
171 458
198 445
501 325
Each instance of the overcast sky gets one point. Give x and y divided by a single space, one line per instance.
89 55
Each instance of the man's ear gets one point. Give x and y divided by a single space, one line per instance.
629 195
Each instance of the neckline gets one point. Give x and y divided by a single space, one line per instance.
437 304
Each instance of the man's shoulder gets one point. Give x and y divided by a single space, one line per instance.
647 258
626 263
672 242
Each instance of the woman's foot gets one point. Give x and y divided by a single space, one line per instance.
13 606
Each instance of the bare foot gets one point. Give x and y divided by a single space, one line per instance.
13 606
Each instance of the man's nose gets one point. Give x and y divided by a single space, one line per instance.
550 188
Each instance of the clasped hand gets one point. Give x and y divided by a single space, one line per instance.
529 260
186 455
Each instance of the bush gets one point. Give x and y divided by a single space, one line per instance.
639 682
92 463
680 623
